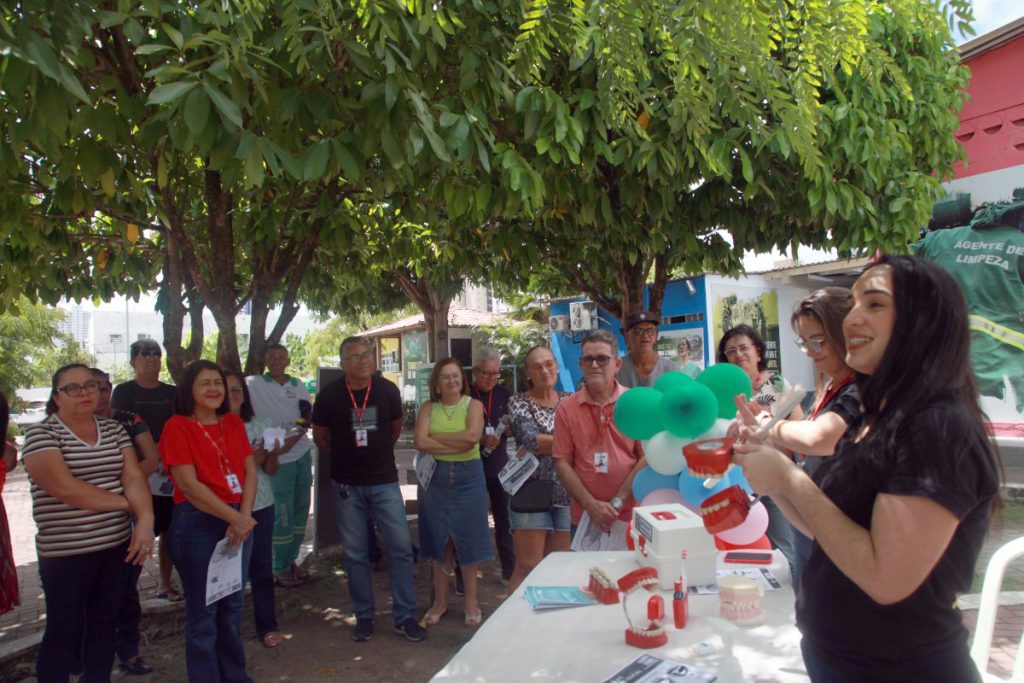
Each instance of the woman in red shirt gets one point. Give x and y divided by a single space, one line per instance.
210 461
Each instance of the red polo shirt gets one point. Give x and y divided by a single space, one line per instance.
584 427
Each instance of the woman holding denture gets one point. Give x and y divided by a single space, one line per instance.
899 514
818 322
744 347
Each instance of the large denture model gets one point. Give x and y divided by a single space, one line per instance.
725 510
740 600
600 586
653 634
709 458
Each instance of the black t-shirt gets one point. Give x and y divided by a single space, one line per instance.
846 404
495 404
155 406
133 424
940 453
360 465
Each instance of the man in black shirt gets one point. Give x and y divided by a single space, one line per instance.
357 419
486 389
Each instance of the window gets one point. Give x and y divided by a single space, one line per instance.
115 339
142 336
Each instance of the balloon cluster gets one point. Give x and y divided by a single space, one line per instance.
676 412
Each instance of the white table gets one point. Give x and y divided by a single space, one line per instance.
586 644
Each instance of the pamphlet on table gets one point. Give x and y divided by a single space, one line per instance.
760 575
554 597
651 669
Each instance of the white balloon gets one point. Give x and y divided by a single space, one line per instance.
664 453
718 430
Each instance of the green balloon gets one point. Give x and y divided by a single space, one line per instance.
636 413
671 380
688 410
726 380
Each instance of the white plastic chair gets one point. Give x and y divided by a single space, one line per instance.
987 612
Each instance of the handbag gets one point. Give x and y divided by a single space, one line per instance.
536 495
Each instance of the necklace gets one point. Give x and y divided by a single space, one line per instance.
449 413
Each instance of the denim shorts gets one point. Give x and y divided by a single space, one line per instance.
455 506
555 519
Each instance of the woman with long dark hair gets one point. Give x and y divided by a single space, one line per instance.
86 482
899 515
210 460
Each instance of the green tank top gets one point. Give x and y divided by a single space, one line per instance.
447 420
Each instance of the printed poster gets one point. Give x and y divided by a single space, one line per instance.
758 307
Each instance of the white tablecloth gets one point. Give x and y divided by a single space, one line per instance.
586 644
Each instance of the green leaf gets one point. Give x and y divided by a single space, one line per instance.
483 196
228 109
173 33
314 160
43 56
197 111
352 169
107 182
748 169
168 93
152 49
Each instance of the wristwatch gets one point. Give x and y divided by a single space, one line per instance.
617 503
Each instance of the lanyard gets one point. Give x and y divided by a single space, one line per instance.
480 397
366 399
602 421
833 389
225 464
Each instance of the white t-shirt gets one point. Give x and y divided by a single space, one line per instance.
278 405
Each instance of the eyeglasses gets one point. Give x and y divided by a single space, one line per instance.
602 360
148 354
236 390
815 344
486 373
74 389
734 351
359 357
544 365
644 331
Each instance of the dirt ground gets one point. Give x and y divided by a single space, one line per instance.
317 619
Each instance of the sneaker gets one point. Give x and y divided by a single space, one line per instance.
363 630
411 629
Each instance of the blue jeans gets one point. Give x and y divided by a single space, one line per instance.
213 641
384 502
261 572
83 593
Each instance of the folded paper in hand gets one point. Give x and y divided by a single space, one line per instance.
273 437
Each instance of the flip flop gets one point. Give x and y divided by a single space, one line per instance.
474 620
433 618
171 595
272 639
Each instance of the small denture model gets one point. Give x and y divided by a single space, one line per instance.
709 458
653 634
600 586
725 510
740 600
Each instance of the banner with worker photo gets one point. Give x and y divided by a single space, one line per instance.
758 307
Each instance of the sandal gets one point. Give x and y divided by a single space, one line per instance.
172 594
433 618
474 620
272 639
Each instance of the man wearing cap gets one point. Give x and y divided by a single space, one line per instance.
644 365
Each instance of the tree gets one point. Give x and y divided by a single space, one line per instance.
32 346
670 137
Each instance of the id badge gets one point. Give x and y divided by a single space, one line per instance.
362 440
601 462
233 484
489 430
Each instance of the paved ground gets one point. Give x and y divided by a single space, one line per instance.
24 625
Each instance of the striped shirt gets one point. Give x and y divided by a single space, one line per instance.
66 530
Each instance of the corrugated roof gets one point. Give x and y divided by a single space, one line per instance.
458 316
992 39
831 265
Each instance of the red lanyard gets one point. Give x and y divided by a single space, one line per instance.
830 394
601 422
366 399
487 408
225 464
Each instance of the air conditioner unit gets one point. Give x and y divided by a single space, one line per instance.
582 316
559 323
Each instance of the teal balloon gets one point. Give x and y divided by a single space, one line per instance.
671 380
688 410
726 380
636 413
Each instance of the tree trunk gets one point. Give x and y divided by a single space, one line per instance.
434 301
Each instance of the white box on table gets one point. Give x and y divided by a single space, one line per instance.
661 532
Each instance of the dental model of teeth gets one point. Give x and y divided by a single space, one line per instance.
653 634
602 589
709 458
725 510
740 600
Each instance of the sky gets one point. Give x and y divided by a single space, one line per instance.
991 14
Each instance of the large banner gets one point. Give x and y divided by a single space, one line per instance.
684 347
733 305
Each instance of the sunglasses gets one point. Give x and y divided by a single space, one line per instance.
148 354
601 361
